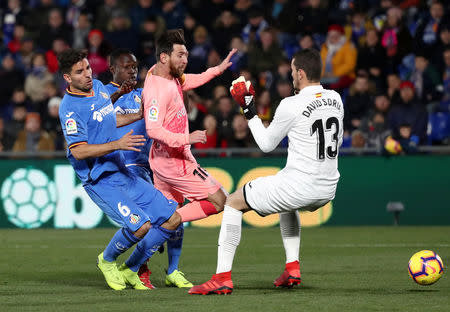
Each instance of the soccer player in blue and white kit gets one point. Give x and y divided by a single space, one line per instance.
89 124
124 67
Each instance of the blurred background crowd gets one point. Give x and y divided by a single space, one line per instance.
389 59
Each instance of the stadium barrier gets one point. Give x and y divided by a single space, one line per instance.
46 193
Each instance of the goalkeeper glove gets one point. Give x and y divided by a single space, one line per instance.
243 93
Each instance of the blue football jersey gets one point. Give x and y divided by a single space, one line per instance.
90 119
127 104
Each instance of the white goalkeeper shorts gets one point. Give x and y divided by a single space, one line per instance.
280 193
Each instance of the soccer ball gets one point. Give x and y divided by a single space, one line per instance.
29 198
392 146
425 267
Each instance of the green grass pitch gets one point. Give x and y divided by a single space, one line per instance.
343 269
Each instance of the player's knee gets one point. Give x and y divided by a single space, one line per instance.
231 200
218 199
236 200
143 230
219 204
173 222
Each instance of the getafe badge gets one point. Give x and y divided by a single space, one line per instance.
106 96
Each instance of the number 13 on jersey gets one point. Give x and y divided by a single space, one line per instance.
332 144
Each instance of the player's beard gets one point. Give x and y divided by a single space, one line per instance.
86 89
176 72
83 88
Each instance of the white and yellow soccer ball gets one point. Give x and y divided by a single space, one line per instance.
425 267
392 146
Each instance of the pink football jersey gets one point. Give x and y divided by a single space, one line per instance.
166 121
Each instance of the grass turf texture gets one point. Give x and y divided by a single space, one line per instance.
343 269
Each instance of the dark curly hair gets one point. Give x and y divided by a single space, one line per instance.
68 58
165 43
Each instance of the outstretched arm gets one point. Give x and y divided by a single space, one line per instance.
126 119
269 138
192 81
128 142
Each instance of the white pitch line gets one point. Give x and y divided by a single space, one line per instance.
378 245
386 245
65 247
421 245
400 245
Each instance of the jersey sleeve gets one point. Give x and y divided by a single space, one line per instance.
341 130
74 129
268 138
156 101
192 81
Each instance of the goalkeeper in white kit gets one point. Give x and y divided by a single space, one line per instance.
313 121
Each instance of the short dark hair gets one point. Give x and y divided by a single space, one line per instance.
310 62
164 44
116 54
69 57
362 74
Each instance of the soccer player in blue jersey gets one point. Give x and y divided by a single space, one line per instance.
124 68
89 124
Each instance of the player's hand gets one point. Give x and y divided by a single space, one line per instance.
140 112
240 88
243 93
198 136
226 62
129 142
127 86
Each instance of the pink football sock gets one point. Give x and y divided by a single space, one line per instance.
196 210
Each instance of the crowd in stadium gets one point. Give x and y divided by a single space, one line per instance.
389 59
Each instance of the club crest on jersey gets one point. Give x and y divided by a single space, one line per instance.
137 99
134 218
71 126
153 113
106 96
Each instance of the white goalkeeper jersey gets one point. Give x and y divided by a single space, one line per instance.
313 122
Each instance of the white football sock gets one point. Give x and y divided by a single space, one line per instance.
290 234
229 238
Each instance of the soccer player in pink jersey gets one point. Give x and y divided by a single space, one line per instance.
176 172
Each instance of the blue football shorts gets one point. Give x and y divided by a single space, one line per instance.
130 200
141 171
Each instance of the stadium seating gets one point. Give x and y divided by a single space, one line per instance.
438 127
